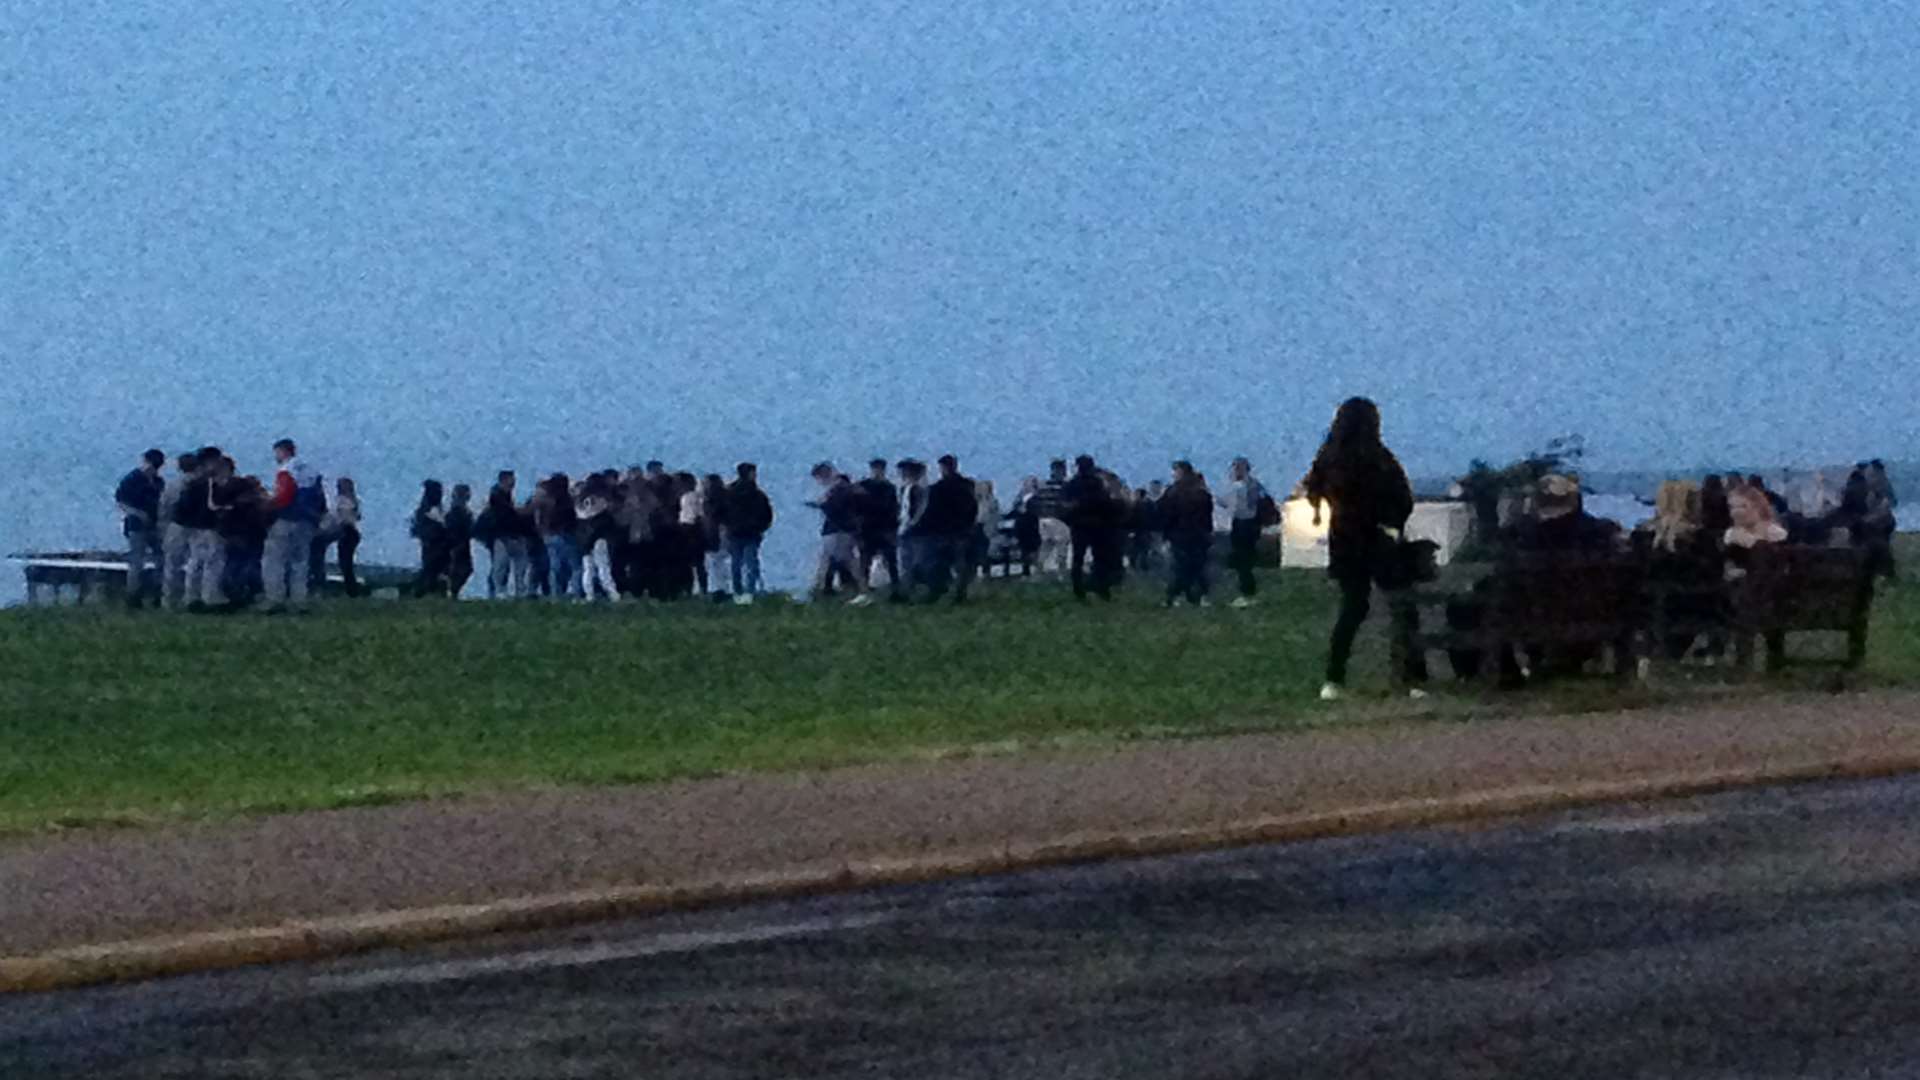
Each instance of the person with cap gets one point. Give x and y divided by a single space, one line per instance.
138 499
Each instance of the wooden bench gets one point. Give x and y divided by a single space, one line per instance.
1546 601
1795 589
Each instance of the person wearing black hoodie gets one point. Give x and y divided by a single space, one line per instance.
1185 515
1356 476
1096 519
880 526
953 506
429 527
748 516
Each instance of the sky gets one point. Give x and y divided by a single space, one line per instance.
440 238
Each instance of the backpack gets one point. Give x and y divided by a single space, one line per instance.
310 501
1266 512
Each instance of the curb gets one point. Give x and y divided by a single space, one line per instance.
328 938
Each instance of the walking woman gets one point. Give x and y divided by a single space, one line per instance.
430 528
1360 479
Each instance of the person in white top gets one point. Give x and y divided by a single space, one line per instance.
340 525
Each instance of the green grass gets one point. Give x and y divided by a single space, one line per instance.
110 718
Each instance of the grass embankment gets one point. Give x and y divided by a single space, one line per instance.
110 717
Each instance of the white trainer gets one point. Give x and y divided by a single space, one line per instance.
743 600
861 600
1331 692
1417 694
1243 602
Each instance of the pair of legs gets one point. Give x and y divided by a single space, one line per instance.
596 578
436 563
507 576
1356 596
1101 547
1188 579
143 547
951 563
348 544
285 562
176 550
1241 554
883 548
744 553
839 552
563 568
206 569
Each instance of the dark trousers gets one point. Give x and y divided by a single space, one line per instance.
1356 596
884 546
1102 548
347 544
1189 576
1244 541
540 572
459 569
435 562
952 562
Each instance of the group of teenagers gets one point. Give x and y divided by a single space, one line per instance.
919 534
1701 536
219 541
207 539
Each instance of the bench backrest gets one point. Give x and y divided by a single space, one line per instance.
1568 596
1797 587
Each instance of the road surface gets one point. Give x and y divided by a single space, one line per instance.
1765 934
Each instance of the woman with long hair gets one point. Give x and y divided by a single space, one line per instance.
1360 480
430 528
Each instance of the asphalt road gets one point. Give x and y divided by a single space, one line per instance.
1769 934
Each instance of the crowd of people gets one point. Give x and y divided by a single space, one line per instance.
914 534
219 541
209 539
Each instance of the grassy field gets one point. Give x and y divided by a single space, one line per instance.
107 717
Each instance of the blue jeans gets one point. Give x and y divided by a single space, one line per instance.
563 567
143 546
744 553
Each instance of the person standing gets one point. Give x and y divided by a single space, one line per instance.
554 521
1882 521
880 527
1244 500
504 532
749 514
298 502
985 520
1370 498
917 553
340 526
712 528
1186 517
839 528
206 554
1091 513
459 540
952 507
1026 524
430 528
177 547
1144 521
138 499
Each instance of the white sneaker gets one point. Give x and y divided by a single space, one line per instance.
1178 601
860 601
743 600
1330 692
1243 602
1205 602
1417 694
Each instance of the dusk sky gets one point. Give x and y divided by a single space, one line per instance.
436 238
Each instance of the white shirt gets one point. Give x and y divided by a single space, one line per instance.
690 507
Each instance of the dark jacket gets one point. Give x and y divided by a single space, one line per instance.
140 491
459 528
879 507
192 511
1087 504
1186 511
1366 490
749 513
840 510
951 507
